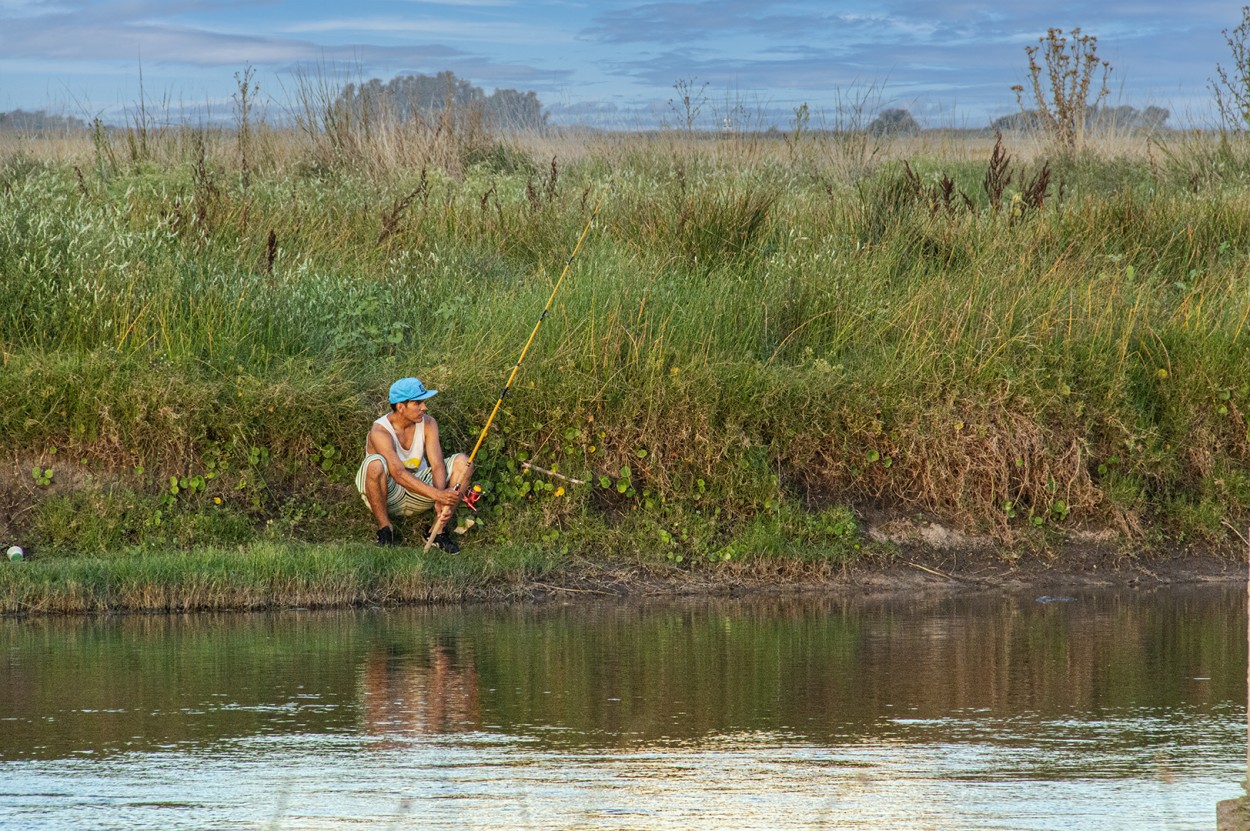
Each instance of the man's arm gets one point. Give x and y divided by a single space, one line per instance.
434 453
380 443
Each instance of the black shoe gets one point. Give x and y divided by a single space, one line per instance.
386 536
443 542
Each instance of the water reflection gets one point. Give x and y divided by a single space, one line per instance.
625 673
419 689
954 711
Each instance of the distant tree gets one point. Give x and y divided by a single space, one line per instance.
1122 117
509 108
1126 117
1021 121
894 122
405 97
1153 118
40 121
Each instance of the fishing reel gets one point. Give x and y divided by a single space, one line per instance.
471 496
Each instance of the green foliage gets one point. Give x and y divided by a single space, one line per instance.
499 157
262 574
736 339
116 521
830 534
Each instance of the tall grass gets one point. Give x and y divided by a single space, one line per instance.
748 331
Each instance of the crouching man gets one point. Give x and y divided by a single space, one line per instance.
404 472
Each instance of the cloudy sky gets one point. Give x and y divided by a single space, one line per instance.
608 62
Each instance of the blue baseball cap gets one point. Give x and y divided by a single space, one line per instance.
410 389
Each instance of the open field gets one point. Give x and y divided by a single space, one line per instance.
764 340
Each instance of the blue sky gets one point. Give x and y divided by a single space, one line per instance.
611 62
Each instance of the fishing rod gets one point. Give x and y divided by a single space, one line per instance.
441 521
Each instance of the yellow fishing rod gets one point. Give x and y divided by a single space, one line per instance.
441 521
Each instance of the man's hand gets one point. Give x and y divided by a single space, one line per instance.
447 499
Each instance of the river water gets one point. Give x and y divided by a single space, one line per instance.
1122 710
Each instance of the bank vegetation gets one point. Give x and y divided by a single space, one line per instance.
767 342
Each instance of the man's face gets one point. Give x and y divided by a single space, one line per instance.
412 410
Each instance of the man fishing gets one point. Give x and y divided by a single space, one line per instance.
404 472
393 480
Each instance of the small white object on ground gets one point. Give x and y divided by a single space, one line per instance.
15 552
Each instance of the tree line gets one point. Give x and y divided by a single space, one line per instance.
40 121
405 97
898 121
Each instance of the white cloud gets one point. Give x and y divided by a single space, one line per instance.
26 9
452 29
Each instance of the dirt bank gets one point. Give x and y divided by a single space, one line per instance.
923 557
897 559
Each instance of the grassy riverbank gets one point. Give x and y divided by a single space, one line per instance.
263 576
761 338
289 575
283 575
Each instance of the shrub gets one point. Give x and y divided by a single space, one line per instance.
1063 93
1232 92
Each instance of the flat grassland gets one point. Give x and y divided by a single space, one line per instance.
766 344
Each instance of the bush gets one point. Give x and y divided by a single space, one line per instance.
1062 94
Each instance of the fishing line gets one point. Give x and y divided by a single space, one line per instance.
437 528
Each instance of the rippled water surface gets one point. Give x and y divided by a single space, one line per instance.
1102 711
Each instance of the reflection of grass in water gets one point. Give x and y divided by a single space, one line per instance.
738 667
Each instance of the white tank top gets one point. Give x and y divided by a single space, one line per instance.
412 457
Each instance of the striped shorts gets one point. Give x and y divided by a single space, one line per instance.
399 500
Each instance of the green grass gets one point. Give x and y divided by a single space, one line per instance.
749 337
264 575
